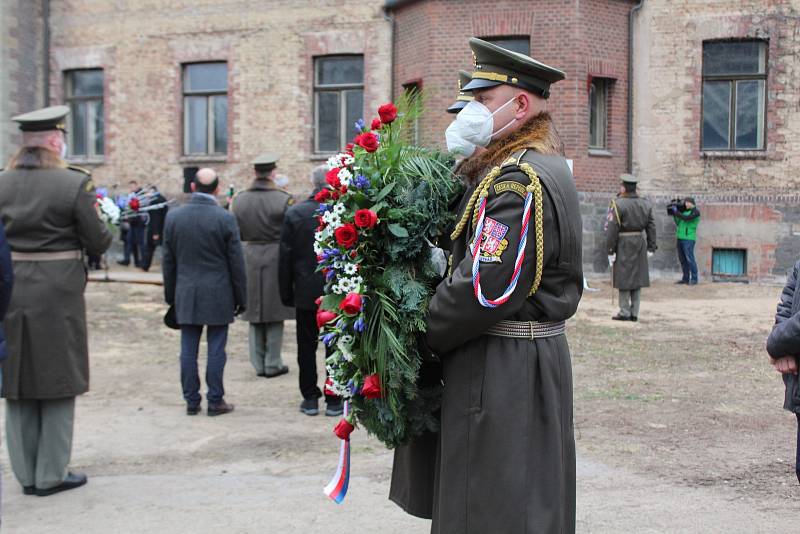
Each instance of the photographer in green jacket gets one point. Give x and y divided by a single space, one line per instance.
687 217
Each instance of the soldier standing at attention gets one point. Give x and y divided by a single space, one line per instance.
259 211
507 447
49 215
628 248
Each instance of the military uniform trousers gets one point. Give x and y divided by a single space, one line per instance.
629 300
39 433
265 346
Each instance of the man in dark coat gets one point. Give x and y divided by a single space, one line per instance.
628 248
204 279
155 225
300 286
506 445
135 222
259 212
783 346
49 215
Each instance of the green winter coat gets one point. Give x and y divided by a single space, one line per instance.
687 222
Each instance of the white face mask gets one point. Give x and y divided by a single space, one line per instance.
64 150
456 144
475 124
281 180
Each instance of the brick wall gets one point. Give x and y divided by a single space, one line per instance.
269 47
584 39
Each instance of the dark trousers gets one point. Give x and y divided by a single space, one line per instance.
149 252
134 245
797 459
686 257
217 338
307 340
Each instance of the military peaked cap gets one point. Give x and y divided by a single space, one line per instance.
463 97
266 162
43 120
494 65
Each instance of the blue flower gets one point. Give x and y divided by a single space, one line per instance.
340 324
361 182
323 208
328 339
360 125
360 325
330 275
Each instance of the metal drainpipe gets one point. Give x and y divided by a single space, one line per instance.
634 9
46 51
389 16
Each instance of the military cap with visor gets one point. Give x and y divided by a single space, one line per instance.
464 97
266 162
494 65
43 120
628 179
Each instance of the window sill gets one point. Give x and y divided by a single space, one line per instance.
85 161
198 158
322 157
600 153
734 154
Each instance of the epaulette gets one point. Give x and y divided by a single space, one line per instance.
512 164
81 170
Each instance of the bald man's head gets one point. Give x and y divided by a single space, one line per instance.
206 181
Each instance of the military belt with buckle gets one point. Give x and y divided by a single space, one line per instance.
527 329
47 256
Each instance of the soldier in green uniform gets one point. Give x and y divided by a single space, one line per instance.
506 460
48 210
630 240
259 212
464 97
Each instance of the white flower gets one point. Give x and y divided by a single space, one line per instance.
350 268
318 237
335 221
318 250
339 208
347 159
334 162
345 177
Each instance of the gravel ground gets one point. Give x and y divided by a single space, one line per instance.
678 425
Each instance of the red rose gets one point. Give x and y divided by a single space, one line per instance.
343 430
351 304
368 141
332 177
346 235
323 195
134 204
324 317
388 113
372 387
365 218
318 301
376 124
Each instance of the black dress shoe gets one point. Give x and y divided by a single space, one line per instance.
334 409
262 375
193 410
219 409
619 317
310 407
29 490
681 282
72 481
282 371
633 318
125 263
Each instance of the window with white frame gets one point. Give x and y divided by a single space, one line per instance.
85 126
205 108
338 100
734 95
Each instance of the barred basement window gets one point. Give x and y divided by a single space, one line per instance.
338 100
205 108
734 95
598 113
729 262
85 124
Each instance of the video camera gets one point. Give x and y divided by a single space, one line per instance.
676 205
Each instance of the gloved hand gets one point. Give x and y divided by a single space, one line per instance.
650 253
611 259
439 260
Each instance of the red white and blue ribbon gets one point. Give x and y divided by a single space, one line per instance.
337 487
476 248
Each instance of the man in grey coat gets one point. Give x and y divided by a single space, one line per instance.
630 240
49 216
204 280
260 211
